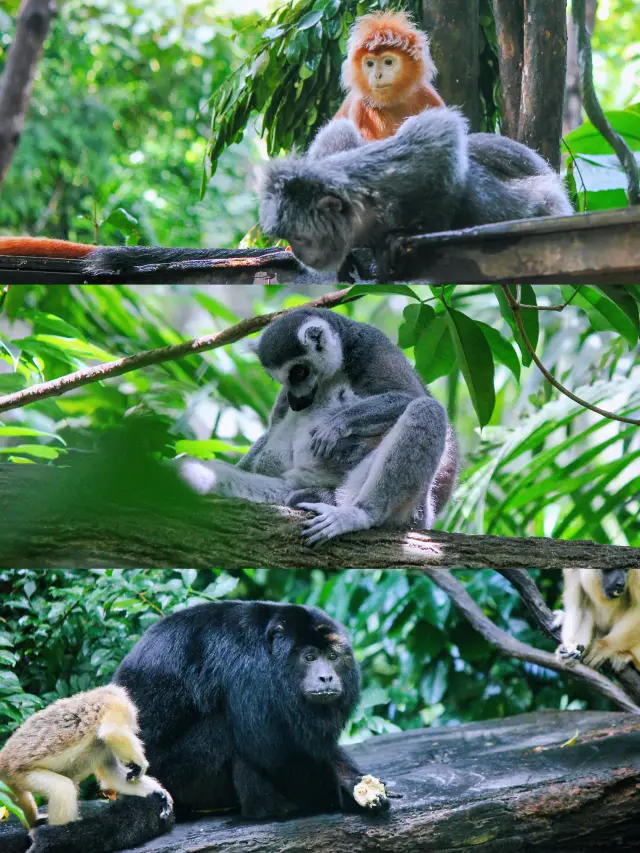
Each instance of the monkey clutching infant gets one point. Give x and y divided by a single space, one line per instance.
354 435
58 747
388 73
601 620
241 706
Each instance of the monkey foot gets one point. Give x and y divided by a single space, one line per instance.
570 653
332 521
370 793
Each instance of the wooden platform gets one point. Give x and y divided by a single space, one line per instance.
588 248
549 781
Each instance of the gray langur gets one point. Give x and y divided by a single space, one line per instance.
354 435
431 176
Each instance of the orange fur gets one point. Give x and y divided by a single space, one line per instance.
378 115
44 247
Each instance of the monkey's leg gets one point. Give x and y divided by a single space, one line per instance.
60 793
28 805
300 496
232 482
616 646
258 797
124 745
391 481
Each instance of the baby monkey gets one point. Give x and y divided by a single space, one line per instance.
58 747
601 620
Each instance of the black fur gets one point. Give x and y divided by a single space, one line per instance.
122 259
128 822
14 838
222 712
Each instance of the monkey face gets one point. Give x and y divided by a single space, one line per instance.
319 677
614 582
387 76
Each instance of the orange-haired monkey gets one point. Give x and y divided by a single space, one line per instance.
388 73
58 747
601 620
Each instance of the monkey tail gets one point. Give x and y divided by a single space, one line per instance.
128 822
44 247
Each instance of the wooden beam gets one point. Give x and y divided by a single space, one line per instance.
550 780
587 248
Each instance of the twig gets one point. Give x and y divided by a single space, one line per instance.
55 387
515 308
514 648
592 106
544 618
34 20
3 296
149 603
525 307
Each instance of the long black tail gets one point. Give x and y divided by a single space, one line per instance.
128 822
114 260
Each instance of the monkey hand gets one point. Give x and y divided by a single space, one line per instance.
332 521
134 771
326 436
370 793
570 653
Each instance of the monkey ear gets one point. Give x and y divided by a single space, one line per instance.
331 204
274 630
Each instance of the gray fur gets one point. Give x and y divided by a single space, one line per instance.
370 447
341 134
431 176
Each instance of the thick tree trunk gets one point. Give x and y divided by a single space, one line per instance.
34 20
509 18
544 72
454 32
143 516
561 781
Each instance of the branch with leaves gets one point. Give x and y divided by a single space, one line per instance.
55 387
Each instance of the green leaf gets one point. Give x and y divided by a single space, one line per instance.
416 319
49 321
614 316
122 220
434 353
434 685
41 451
18 431
475 362
501 348
210 448
380 289
529 318
11 382
67 346
587 140
309 20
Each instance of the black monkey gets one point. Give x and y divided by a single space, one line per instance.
241 705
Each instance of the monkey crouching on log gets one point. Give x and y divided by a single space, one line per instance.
601 620
58 747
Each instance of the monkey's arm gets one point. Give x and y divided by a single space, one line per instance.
618 643
370 796
370 416
430 98
577 622
123 743
343 112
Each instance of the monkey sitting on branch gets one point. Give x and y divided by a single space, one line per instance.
601 619
58 747
431 176
388 74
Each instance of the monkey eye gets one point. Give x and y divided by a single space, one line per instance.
298 373
332 656
310 657
370 63
388 61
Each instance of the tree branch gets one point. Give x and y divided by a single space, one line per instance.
509 18
544 71
592 106
34 20
515 308
514 648
55 387
544 618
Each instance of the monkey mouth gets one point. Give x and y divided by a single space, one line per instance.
322 697
298 404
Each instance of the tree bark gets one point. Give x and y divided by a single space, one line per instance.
125 513
454 32
551 780
509 18
544 73
572 100
34 20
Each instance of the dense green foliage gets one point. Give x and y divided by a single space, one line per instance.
542 466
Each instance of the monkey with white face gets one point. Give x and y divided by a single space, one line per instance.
354 435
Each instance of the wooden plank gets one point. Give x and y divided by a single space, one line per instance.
588 248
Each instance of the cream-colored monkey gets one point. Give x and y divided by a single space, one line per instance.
55 749
601 620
